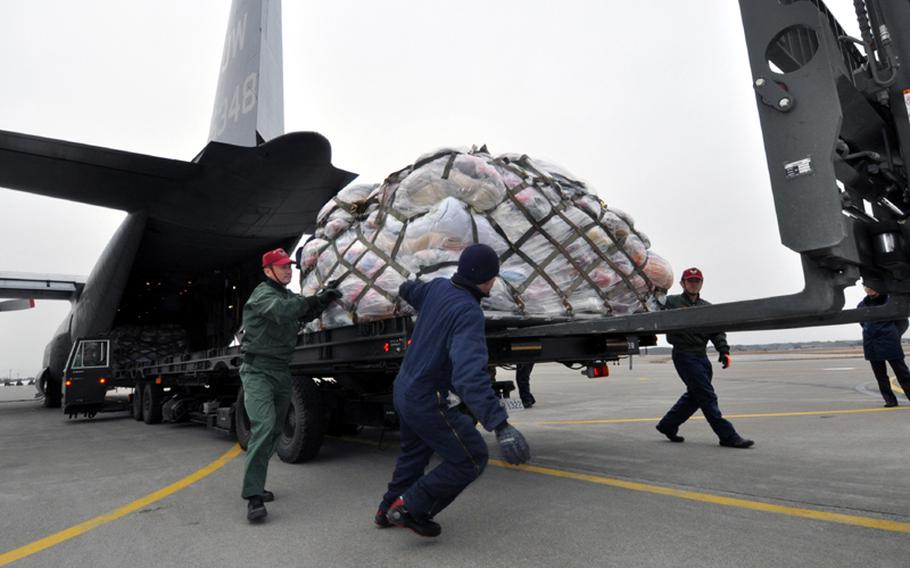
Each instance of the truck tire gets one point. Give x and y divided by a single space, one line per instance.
304 428
136 405
51 388
151 403
241 421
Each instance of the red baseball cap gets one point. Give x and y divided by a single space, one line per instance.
277 256
691 274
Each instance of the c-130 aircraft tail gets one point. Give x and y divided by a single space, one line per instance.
249 102
187 255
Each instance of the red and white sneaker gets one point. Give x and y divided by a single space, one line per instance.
399 516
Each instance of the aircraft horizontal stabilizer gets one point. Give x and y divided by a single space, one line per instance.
87 174
29 286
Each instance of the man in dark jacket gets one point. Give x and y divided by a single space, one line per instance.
270 324
447 354
882 342
523 380
691 361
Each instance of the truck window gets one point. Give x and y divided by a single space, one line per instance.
91 354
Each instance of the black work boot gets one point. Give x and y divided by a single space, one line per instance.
255 509
737 442
398 515
672 436
267 496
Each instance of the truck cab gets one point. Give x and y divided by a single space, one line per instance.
86 377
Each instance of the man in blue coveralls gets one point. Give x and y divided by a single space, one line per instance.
448 352
691 361
881 343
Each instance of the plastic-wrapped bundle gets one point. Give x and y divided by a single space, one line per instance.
563 253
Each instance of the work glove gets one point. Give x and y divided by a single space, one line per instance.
513 445
725 360
329 293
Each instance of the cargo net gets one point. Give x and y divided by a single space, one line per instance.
563 253
138 345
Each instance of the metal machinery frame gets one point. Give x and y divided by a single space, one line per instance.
836 130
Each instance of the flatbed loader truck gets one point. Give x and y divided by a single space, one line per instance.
342 379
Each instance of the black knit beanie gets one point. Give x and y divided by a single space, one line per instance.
478 264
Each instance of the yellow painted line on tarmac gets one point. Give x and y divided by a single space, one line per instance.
855 520
756 415
895 386
85 526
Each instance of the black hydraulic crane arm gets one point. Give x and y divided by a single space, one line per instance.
836 132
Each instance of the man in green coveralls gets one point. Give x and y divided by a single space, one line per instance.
270 321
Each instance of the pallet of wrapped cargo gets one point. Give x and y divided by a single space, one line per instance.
564 254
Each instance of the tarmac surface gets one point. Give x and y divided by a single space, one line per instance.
827 483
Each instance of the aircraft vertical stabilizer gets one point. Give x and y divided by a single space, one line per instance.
249 103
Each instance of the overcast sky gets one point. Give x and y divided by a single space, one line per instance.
649 101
